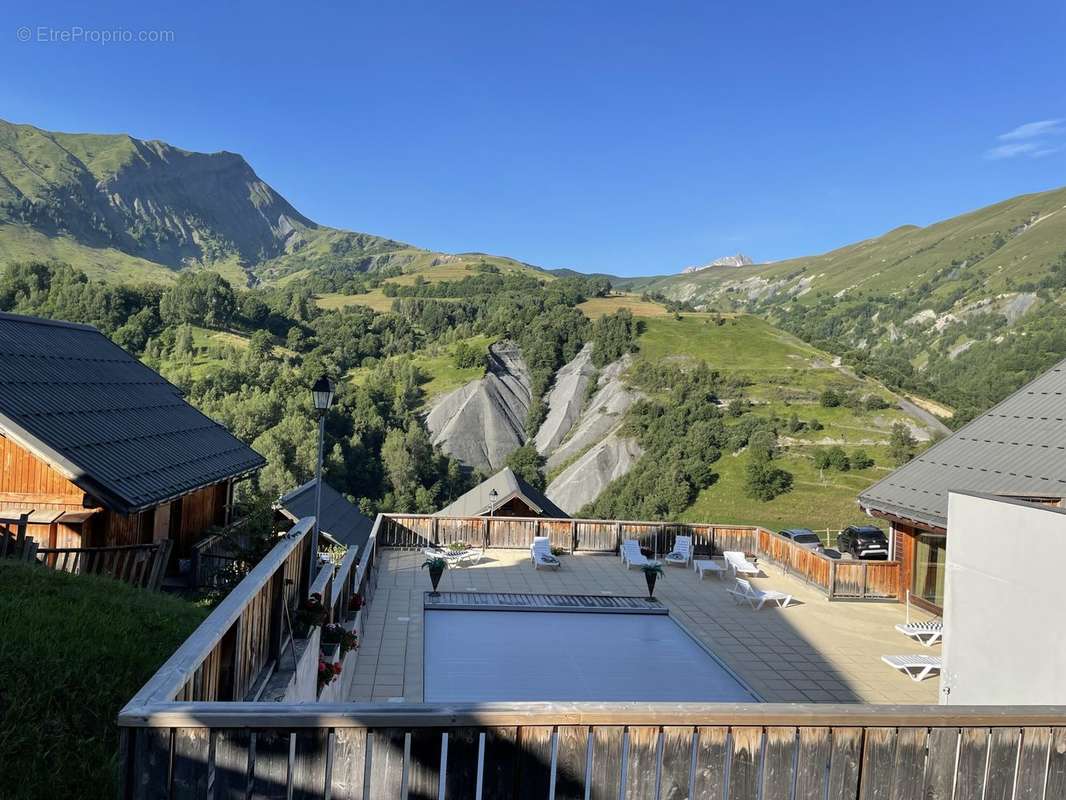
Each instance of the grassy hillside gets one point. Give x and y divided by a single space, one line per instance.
1001 245
600 306
963 311
429 267
437 365
73 651
783 376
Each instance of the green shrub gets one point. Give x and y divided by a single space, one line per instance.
763 481
860 459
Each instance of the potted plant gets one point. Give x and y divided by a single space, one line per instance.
334 635
327 673
310 615
349 641
653 570
559 551
436 569
456 548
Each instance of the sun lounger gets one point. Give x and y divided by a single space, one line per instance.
744 592
682 552
739 564
631 555
927 633
703 566
540 553
917 668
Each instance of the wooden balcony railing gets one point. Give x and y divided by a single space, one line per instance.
839 579
578 750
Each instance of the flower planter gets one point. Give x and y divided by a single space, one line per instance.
651 577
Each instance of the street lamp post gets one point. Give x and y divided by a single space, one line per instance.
493 494
322 393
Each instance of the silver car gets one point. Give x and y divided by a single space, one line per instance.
804 537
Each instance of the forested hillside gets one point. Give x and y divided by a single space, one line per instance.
247 358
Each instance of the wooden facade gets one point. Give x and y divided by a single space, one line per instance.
906 537
65 516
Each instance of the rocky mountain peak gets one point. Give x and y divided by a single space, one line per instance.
739 260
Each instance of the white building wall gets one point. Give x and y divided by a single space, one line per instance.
1005 603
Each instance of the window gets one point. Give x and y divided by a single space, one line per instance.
930 562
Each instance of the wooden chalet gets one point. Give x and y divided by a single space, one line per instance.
1014 450
99 450
513 497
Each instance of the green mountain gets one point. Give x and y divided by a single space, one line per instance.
989 251
128 209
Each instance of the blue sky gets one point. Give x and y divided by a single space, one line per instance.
631 138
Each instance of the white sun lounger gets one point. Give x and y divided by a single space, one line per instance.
540 553
744 592
631 555
682 552
917 668
705 565
927 633
739 563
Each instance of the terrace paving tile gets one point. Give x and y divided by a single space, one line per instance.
812 651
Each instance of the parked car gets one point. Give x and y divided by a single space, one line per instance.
804 537
863 541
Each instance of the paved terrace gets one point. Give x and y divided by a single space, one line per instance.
812 651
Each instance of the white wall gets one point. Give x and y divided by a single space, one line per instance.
1005 595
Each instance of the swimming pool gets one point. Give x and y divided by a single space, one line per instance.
485 656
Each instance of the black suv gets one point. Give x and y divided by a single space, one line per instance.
863 541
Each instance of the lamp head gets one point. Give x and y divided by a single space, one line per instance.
322 393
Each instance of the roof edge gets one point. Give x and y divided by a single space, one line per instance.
56 323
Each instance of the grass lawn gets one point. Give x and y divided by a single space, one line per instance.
73 651
740 343
815 501
375 299
601 306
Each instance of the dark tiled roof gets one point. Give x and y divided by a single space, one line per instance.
477 502
340 519
115 427
1017 449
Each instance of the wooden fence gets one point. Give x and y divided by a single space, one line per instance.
839 579
140 565
599 751
573 535
233 652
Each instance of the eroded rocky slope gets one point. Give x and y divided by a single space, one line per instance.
483 422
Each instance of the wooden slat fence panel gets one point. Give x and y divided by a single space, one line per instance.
141 565
670 761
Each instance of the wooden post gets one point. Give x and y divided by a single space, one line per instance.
618 537
573 536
